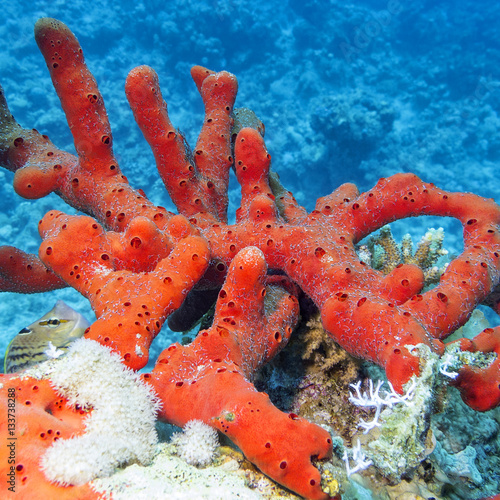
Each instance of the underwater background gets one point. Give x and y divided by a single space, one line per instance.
348 92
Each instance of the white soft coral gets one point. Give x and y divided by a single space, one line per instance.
197 443
121 427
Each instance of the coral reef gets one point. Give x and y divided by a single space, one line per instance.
137 263
351 125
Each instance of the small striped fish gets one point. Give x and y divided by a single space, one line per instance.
47 338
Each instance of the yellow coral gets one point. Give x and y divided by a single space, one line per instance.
383 253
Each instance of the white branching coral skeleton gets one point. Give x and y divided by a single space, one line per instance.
360 460
373 399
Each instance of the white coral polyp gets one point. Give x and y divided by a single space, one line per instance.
197 443
121 427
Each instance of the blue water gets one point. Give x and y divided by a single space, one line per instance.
348 91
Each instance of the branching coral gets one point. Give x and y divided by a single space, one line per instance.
383 253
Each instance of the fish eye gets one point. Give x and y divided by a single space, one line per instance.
51 322
24 331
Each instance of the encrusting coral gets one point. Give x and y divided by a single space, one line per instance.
137 263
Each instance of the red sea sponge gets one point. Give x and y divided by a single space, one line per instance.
37 417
